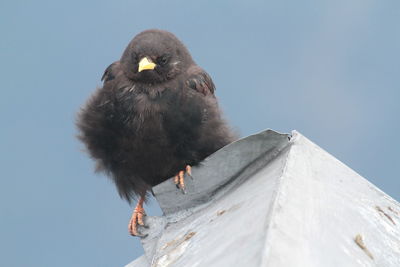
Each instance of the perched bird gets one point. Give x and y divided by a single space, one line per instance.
155 116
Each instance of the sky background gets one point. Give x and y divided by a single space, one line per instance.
329 69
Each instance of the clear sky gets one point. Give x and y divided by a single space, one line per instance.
329 69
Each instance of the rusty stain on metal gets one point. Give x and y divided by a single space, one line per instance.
382 212
359 241
219 213
177 242
189 235
394 211
176 248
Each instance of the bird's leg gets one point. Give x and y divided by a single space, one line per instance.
179 179
137 218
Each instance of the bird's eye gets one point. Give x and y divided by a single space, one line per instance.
163 60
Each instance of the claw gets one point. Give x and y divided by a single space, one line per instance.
189 170
179 179
182 180
176 181
137 218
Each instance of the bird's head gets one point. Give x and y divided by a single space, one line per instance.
155 56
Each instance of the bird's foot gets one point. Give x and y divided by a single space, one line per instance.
179 179
137 218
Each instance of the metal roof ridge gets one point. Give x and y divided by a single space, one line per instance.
219 169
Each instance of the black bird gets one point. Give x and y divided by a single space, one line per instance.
155 116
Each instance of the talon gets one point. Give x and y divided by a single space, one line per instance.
179 179
137 218
140 215
189 170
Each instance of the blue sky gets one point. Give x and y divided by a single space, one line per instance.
327 69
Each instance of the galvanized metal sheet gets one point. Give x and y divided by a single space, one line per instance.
289 204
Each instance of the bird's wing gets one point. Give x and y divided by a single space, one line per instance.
111 72
200 81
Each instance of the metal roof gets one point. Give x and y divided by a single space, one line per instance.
272 199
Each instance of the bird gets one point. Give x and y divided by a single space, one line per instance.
155 116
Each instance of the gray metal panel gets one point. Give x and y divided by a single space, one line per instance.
219 169
291 204
217 175
229 231
328 215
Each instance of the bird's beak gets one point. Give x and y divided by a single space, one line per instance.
146 64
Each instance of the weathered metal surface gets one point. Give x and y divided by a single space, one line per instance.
219 169
323 208
289 204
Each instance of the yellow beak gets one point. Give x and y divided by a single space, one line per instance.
146 64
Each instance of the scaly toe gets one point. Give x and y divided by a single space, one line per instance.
179 179
132 226
137 219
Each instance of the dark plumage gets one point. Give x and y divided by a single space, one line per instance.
143 127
